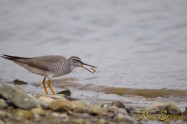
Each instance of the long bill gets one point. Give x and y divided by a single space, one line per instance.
82 65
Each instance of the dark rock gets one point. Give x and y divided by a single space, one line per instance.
65 92
70 98
19 82
17 97
118 104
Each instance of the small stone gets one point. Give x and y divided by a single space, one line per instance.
120 117
118 104
129 120
55 114
185 112
19 82
3 104
38 111
64 116
170 107
131 111
17 97
101 121
122 111
45 100
1 122
105 106
3 114
79 121
23 114
97 110
65 92
113 109
36 118
79 106
60 104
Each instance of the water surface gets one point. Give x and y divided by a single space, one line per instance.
135 44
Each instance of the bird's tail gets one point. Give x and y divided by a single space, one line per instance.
13 58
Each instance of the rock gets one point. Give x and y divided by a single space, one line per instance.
122 111
3 114
129 120
131 111
159 107
65 92
3 104
125 118
1 122
70 98
101 121
45 100
113 109
185 115
119 117
19 82
64 116
118 104
79 106
17 97
97 110
37 118
79 121
60 104
105 106
185 112
23 115
38 111
55 114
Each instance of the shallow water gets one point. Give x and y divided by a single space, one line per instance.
134 44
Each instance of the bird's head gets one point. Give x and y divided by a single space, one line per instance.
76 62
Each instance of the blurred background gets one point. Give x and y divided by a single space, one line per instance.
135 44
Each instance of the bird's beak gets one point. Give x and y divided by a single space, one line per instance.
82 65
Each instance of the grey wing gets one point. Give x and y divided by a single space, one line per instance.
44 63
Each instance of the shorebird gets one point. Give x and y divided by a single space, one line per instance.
49 66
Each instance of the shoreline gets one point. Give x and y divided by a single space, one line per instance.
66 109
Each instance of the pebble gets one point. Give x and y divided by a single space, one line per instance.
1 122
171 108
102 121
23 115
118 104
185 112
3 114
65 92
97 110
45 100
3 104
122 111
17 97
113 109
119 117
79 106
55 114
60 104
79 121
105 106
38 111
19 82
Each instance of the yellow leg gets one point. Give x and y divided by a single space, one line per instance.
43 82
49 84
